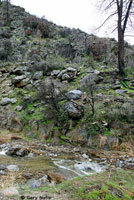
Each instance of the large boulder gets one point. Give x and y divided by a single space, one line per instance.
18 79
19 70
88 80
74 111
17 150
14 124
79 135
74 94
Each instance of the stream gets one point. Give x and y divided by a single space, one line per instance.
29 161
69 163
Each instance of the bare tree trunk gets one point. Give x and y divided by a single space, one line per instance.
121 62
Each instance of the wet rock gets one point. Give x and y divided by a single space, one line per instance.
2 167
21 152
13 168
85 156
74 94
5 148
56 177
2 172
17 150
118 163
30 155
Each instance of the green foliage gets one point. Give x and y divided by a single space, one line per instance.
129 72
90 62
55 62
26 114
64 137
49 140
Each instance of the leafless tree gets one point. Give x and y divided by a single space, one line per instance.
6 9
124 11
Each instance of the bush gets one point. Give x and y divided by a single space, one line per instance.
35 24
52 96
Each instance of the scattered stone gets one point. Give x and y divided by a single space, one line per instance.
2 167
65 77
39 183
23 83
85 156
30 155
115 87
96 72
19 108
13 100
17 150
38 75
12 168
19 71
120 91
5 101
17 79
88 80
2 172
118 163
103 67
70 69
10 191
55 72
74 94
89 70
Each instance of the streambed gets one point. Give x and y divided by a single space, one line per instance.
68 164
37 160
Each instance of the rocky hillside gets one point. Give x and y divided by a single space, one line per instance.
61 85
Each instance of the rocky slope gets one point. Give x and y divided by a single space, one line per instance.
61 85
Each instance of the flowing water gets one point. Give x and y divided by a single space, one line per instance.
68 165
